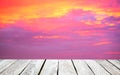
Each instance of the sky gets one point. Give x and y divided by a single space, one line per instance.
60 29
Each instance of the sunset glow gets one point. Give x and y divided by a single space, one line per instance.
59 28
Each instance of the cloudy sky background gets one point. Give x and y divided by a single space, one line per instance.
60 29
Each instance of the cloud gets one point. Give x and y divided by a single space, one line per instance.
102 43
58 26
25 10
90 32
51 37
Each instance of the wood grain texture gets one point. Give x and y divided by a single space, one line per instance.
66 68
97 69
15 68
50 67
115 63
59 67
5 63
82 68
109 67
33 68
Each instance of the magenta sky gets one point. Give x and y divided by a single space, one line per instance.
60 29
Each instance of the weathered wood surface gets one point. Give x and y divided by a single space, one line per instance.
59 67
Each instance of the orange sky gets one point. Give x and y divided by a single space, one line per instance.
14 10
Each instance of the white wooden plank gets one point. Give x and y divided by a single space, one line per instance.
33 68
82 68
66 68
109 67
50 67
115 62
15 68
1 60
97 69
5 64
